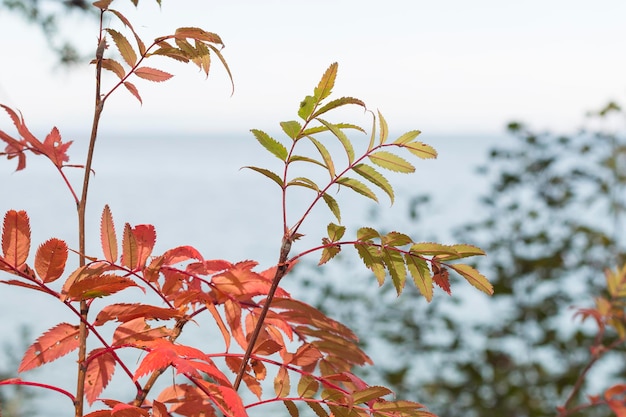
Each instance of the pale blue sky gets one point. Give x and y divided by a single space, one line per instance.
451 66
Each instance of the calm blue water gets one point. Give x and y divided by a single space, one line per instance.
192 189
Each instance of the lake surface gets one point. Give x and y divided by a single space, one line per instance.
192 189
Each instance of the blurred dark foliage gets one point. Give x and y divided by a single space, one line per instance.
16 400
551 223
48 15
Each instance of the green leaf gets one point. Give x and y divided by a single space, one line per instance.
291 407
326 84
431 248
347 145
395 265
396 239
306 107
329 252
473 277
367 233
319 129
330 166
373 176
384 129
308 386
335 232
462 251
407 137
418 268
391 162
303 182
271 144
332 205
372 259
282 385
126 50
357 186
421 150
338 102
299 158
291 128
269 174
370 393
317 408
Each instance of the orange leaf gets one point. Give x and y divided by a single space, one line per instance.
123 312
100 368
133 90
198 34
98 286
16 237
107 235
220 323
50 259
127 410
114 66
159 409
145 238
152 74
138 333
130 251
180 254
56 342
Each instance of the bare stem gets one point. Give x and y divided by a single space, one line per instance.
280 273
82 205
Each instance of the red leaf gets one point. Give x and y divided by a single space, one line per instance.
14 148
152 74
100 368
107 235
15 237
133 90
50 259
441 278
56 342
22 129
55 149
125 312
